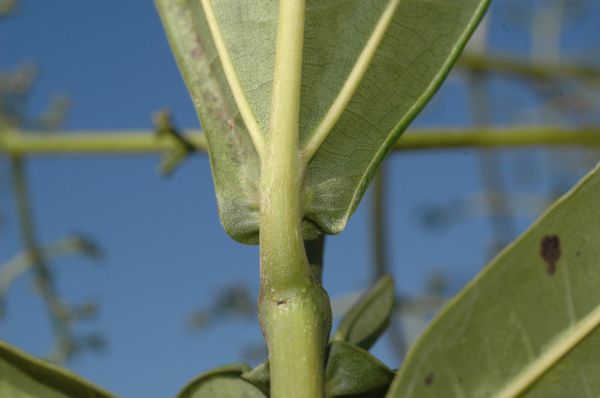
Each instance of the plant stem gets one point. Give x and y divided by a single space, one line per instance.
498 137
294 310
92 142
381 265
527 69
490 167
314 251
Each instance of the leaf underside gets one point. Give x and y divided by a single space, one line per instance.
224 382
369 317
527 325
23 376
353 372
368 69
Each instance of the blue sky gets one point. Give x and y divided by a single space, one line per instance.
165 251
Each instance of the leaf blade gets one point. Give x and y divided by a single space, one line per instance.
351 84
546 323
248 116
223 382
235 162
368 68
413 58
23 375
369 317
353 372
260 376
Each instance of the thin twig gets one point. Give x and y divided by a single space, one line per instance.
59 314
509 65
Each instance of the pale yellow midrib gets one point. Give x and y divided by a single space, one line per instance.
573 336
351 84
246 112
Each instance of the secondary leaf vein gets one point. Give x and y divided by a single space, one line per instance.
246 112
555 352
354 78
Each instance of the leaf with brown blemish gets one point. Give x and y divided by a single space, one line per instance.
515 332
429 379
550 252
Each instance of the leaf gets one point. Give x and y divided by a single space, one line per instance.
233 157
528 324
24 376
353 372
369 317
224 382
368 68
260 376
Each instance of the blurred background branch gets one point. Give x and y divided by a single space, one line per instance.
35 259
129 142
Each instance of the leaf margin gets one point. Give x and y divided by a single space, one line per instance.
39 370
518 385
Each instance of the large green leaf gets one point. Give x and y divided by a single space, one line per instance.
234 161
23 376
368 69
528 324
224 382
369 317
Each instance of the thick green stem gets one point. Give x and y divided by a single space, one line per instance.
294 309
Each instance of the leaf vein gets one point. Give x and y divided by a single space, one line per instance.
564 344
354 78
246 112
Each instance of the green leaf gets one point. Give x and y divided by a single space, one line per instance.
528 324
24 376
353 372
233 157
260 377
368 68
224 382
369 317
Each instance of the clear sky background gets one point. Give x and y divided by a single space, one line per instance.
165 251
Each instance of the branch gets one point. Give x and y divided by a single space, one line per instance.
526 136
94 142
129 142
59 314
514 66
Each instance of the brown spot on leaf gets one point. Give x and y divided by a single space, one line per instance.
281 302
550 252
429 379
